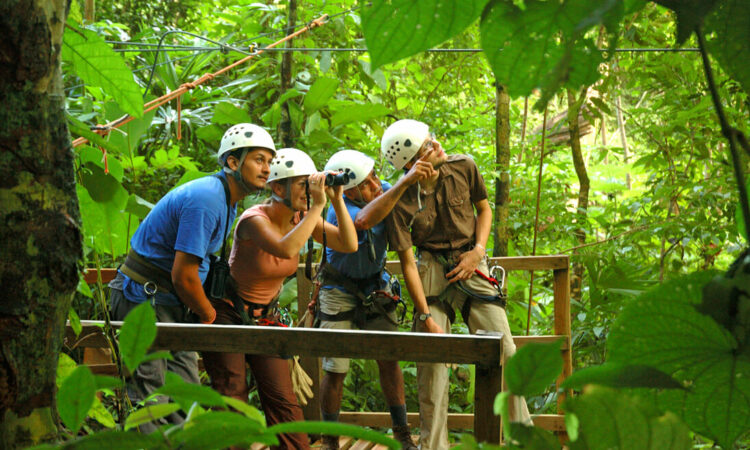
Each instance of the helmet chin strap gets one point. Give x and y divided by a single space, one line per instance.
237 174
361 202
287 200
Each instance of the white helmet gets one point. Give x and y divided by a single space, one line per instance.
402 140
245 135
356 164
290 162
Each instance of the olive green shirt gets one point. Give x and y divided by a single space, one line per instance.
446 220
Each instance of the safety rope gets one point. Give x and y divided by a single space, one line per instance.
536 219
185 87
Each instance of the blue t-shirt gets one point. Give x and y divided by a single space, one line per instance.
191 219
358 265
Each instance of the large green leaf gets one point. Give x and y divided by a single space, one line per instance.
137 334
663 329
610 419
319 94
621 376
98 65
731 43
246 409
358 113
150 413
400 28
227 113
102 187
106 228
533 368
127 136
543 46
186 393
335 429
114 440
221 429
75 397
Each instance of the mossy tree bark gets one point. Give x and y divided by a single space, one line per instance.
40 232
502 166
286 130
574 110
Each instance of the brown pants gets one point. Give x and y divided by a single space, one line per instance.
228 376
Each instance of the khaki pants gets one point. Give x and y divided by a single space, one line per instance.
433 378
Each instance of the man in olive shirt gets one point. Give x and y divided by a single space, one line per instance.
437 215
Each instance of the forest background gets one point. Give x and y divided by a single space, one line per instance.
644 194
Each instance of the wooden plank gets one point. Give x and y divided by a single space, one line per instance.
378 345
551 422
312 365
488 384
362 445
108 274
561 290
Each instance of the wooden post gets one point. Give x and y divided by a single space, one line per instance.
489 383
311 364
561 291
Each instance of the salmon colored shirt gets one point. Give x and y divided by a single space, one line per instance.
259 274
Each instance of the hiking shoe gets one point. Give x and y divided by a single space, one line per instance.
330 443
403 435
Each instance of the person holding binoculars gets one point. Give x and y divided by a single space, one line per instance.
267 241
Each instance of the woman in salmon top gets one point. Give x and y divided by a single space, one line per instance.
267 242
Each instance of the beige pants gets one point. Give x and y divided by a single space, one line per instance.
433 379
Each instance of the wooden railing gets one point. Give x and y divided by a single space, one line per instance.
484 351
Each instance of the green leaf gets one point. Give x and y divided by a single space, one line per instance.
187 393
524 49
662 329
138 206
534 438
533 368
246 409
690 14
75 321
75 397
162 354
102 187
98 65
101 414
731 44
127 136
621 376
320 92
334 429
65 366
221 429
227 113
115 440
611 419
92 156
77 127
358 113
106 228
106 382
137 334
501 408
190 175
150 413
83 289
399 28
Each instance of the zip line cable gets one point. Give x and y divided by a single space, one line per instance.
185 87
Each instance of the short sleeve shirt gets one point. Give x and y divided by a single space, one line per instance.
358 265
191 218
446 220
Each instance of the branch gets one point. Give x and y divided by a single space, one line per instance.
728 132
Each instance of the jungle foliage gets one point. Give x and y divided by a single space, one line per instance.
660 331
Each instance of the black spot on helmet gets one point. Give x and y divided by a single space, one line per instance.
407 143
248 134
289 163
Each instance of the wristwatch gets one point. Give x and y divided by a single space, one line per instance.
424 316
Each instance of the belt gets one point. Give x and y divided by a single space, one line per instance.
153 278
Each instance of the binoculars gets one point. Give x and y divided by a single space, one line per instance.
338 179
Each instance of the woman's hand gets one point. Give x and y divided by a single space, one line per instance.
317 189
334 192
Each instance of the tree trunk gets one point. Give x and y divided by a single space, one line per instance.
40 233
574 109
502 165
286 130
524 121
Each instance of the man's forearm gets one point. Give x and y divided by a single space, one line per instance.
483 225
377 210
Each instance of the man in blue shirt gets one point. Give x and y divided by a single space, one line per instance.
351 279
169 258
